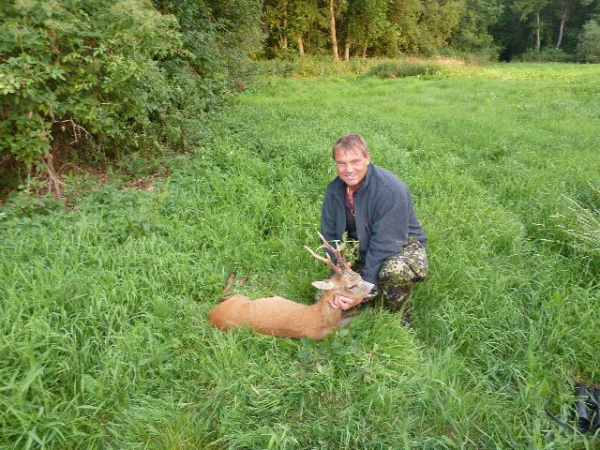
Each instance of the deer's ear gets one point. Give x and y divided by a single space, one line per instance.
323 285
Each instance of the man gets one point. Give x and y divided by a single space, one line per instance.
373 206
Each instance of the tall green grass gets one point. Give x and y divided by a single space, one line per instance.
103 306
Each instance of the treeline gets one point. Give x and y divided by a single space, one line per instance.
492 29
101 78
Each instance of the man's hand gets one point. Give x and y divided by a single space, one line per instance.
345 303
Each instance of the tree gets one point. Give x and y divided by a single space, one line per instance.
290 20
403 32
335 10
566 10
526 8
474 31
305 16
276 16
588 49
426 27
438 21
81 75
238 23
366 20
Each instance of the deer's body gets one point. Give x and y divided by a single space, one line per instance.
280 317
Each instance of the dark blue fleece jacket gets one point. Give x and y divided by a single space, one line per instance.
384 214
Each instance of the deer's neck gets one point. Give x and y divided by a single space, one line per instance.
325 304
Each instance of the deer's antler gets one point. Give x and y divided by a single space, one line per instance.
336 252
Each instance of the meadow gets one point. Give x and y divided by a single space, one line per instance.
104 342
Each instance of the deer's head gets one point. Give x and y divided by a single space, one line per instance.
344 280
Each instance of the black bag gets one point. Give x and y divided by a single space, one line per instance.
585 410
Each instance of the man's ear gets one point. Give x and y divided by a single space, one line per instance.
323 285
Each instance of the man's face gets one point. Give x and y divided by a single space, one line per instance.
352 166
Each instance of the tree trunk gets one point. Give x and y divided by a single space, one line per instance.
347 51
284 38
55 183
537 35
334 43
561 28
301 46
364 50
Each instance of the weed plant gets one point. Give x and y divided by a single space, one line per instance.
314 66
104 341
401 69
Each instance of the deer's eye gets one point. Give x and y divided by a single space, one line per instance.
354 286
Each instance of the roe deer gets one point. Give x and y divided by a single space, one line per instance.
279 317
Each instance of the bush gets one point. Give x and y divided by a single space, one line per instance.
110 77
546 54
403 68
588 49
313 66
275 67
481 55
77 70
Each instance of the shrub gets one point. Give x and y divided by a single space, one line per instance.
588 49
82 72
113 77
275 67
480 56
546 54
403 68
313 66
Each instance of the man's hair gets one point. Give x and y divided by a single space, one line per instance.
351 141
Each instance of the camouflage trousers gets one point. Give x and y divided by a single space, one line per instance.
399 273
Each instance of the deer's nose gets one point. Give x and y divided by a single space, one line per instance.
370 286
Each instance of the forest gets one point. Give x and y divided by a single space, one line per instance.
97 79
493 29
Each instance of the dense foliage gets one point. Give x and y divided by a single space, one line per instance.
77 71
589 42
367 28
111 77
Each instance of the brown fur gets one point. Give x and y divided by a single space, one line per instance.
280 317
